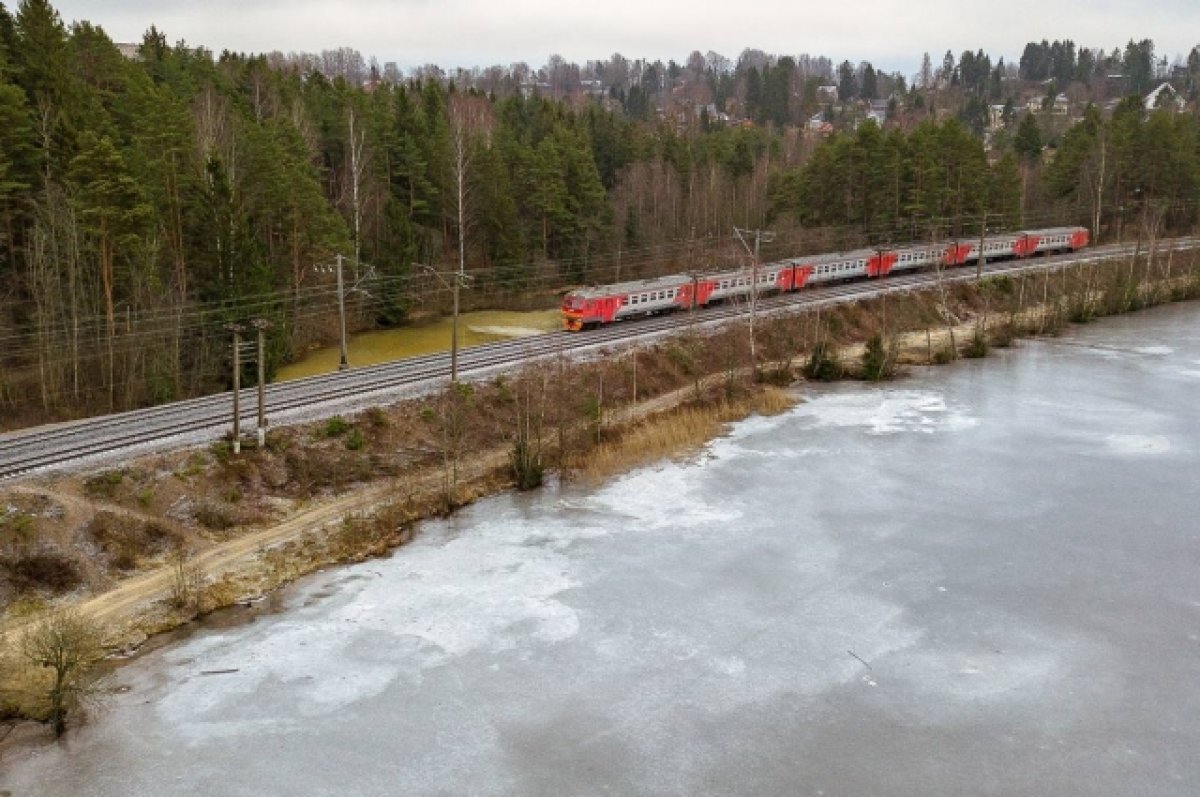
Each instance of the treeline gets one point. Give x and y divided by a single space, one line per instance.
891 185
146 202
1133 175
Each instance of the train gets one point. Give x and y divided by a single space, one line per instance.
604 304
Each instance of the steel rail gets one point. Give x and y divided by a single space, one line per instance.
61 444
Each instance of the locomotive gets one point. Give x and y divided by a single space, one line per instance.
604 304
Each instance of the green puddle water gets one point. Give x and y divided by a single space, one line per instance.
393 344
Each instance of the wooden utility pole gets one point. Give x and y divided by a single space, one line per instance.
261 325
236 329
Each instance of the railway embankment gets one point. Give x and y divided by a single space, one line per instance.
153 544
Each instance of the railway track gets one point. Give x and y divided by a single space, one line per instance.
191 421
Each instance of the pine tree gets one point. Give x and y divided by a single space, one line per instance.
1028 142
113 212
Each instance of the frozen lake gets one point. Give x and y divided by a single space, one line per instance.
981 579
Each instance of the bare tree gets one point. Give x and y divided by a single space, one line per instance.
69 645
470 117
358 167
187 579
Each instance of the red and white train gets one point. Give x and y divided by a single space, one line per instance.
604 304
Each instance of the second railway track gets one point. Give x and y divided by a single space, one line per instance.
42 448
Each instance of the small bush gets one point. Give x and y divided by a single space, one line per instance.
19 525
876 360
822 365
1003 336
126 540
376 418
213 517
145 496
778 377
527 467
504 391
105 484
682 359
278 441
336 426
195 465
43 570
944 355
354 440
978 347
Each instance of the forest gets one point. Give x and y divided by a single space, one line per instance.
149 199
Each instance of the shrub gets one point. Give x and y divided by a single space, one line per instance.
527 465
781 376
876 360
682 359
213 517
336 426
126 540
43 570
19 524
376 418
355 441
978 347
944 355
822 365
105 484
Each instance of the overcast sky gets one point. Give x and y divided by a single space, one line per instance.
451 33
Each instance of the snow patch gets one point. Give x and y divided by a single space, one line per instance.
507 332
1138 444
886 412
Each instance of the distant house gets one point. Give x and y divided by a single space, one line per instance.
1060 104
817 124
827 93
131 51
531 87
714 116
1165 96
995 117
592 88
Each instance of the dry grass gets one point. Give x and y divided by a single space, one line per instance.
773 401
674 433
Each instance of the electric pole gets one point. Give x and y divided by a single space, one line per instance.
458 278
261 325
981 261
344 363
236 329
760 236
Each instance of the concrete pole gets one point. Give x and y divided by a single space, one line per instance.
981 261
236 329
344 363
261 326
458 278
